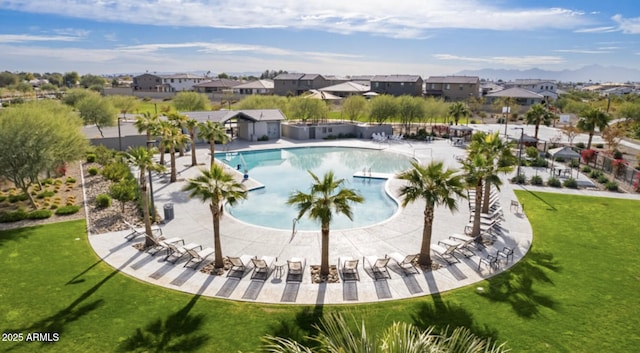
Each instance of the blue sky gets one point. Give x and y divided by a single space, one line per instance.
424 37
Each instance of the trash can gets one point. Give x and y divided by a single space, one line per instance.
168 212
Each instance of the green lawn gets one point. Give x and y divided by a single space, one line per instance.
576 291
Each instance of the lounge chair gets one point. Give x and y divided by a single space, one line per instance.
198 257
447 254
349 268
295 269
162 245
406 263
177 252
378 266
262 266
134 233
460 247
239 264
467 242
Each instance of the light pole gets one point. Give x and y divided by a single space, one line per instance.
150 144
519 152
119 136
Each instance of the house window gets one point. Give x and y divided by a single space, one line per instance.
171 80
461 87
447 86
377 84
401 83
433 86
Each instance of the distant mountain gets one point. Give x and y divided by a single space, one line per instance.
593 73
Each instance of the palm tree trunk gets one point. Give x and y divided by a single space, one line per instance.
162 148
212 150
589 142
174 171
145 208
425 249
194 160
217 246
476 216
487 197
536 134
324 257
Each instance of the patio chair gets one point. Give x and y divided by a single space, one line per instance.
406 263
491 261
467 242
160 245
378 266
447 254
349 268
239 264
461 247
262 266
134 233
295 269
506 253
198 257
177 252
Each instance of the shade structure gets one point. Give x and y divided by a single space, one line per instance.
315 94
563 152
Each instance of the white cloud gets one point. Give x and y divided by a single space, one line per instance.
22 38
513 61
606 29
586 51
399 19
627 25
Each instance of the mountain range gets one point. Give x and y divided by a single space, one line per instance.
586 74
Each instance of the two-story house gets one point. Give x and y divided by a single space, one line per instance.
546 88
296 84
166 83
216 85
397 85
453 88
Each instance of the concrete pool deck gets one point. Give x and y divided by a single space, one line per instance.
402 233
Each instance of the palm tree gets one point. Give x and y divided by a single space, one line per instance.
142 159
191 125
326 197
213 132
147 123
458 110
335 334
180 121
437 186
593 118
216 186
172 138
537 115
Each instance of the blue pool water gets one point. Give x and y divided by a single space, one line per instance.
283 171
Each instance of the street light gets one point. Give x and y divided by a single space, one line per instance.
150 144
519 152
119 136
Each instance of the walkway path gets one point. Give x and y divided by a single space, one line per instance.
402 233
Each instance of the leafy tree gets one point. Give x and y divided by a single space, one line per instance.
571 132
435 108
8 79
410 109
124 104
325 197
308 109
212 132
336 335
383 107
36 137
89 80
613 135
55 78
263 102
592 119
190 101
629 111
216 187
70 79
435 185
124 191
141 158
96 110
23 87
354 107
537 115
458 110
73 96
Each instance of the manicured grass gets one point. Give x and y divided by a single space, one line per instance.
576 291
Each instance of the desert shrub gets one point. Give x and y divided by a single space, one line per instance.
18 197
103 200
115 171
599 145
53 207
536 180
39 214
91 157
539 162
519 179
570 183
46 193
48 181
67 210
574 163
93 171
602 179
595 174
586 169
532 152
70 180
611 186
14 216
104 155
554 182
580 145
2 198
617 154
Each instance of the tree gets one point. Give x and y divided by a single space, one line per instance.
192 125
308 109
141 158
73 96
172 138
410 109
190 101
263 102
96 110
354 106
37 137
89 80
537 115
123 191
382 107
592 119
147 123
435 108
124 104
325 197
458 110
613 135
212 132
8 79
629 111
436 186
70 79
216 187
335 334
571 132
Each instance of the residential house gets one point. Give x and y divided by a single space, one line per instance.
254 87
166 83
148 83
397 85
216 85
546 88
297 84
521 96
346 89
453 88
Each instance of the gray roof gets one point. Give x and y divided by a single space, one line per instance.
223 115
349 87
453 79
186 76
257 84
529 81
396 78
218 82
515 93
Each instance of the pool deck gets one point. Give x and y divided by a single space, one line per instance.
402 234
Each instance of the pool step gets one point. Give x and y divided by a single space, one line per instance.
368 175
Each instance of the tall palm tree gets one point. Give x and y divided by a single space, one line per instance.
172 138
326 197
216 187
335 334
180 121
142 159
192 125
147 123
436 186
458 110
213 132
593 118
537 115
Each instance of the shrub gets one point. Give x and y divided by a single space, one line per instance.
532 152
48 181
599 145
263 138
70 180
15 216
46 193
602 179
103 200
115 171
570 183
617 154
53 207
574 163
540 162
2 198
91 157
18 197
93 171
586 169
519 179
67 210
554 182
611 186
39 214
588 156
595 174
580 145
536 180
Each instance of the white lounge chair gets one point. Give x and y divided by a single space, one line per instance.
262 267
349 268
198 257
134 232
295 269
406 263
447 254
177 252
239 264
378 266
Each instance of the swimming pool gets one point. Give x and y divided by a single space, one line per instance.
284 171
